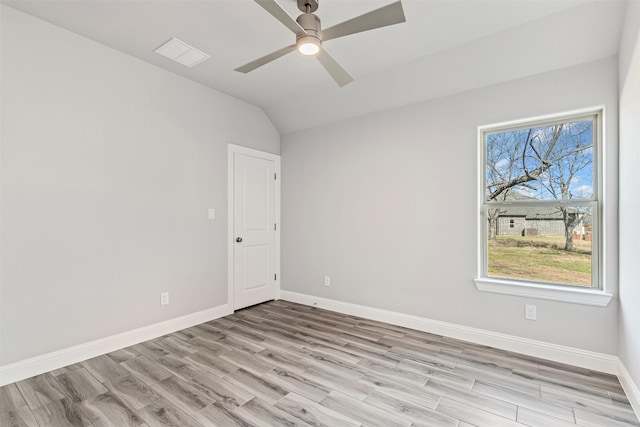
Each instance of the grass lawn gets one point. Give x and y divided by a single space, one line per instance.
540 259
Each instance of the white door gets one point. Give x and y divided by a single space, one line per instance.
254 230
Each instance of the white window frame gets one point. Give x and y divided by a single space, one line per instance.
595 295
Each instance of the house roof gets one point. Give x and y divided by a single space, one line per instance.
532 213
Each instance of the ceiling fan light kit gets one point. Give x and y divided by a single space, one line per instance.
309 35
308 45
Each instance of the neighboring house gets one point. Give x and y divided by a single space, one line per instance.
534 222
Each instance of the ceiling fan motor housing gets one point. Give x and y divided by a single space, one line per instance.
311 24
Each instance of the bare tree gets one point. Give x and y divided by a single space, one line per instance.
529 158
560 177
502 158
509 160
541 162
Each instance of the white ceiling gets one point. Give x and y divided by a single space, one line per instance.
445 47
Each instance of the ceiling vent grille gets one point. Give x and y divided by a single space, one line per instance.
182 53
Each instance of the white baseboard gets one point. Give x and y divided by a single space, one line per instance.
554 352
630 388
61 358
583 358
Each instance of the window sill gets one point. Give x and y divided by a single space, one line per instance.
596 298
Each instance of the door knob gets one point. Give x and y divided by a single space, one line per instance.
238 239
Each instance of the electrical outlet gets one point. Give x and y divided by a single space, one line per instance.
327 281
211 213
164 298
530 312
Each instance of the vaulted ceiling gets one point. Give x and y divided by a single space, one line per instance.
445 47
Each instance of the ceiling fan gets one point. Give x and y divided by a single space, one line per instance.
310 36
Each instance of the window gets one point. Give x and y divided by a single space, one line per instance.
541 204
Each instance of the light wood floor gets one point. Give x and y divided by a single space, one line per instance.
284 364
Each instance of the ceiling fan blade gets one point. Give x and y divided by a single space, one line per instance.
274 8
337 72
266 59
382 17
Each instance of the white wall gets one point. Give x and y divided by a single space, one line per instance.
629 316
109 165
386 205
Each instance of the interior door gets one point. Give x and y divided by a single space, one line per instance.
254 224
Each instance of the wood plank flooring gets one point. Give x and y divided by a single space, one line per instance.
284 364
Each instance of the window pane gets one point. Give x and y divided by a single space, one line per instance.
542 244
553 162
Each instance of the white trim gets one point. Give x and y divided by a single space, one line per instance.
230 203
630 388
549 292
231 150
554 352
558 116
569 294
58 359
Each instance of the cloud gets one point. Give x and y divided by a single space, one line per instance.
502 165
582 191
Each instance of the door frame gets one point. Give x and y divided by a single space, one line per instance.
233 149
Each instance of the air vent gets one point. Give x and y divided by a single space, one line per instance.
182 53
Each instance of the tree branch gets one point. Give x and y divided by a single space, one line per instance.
534 175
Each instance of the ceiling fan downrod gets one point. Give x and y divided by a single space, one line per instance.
308 6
